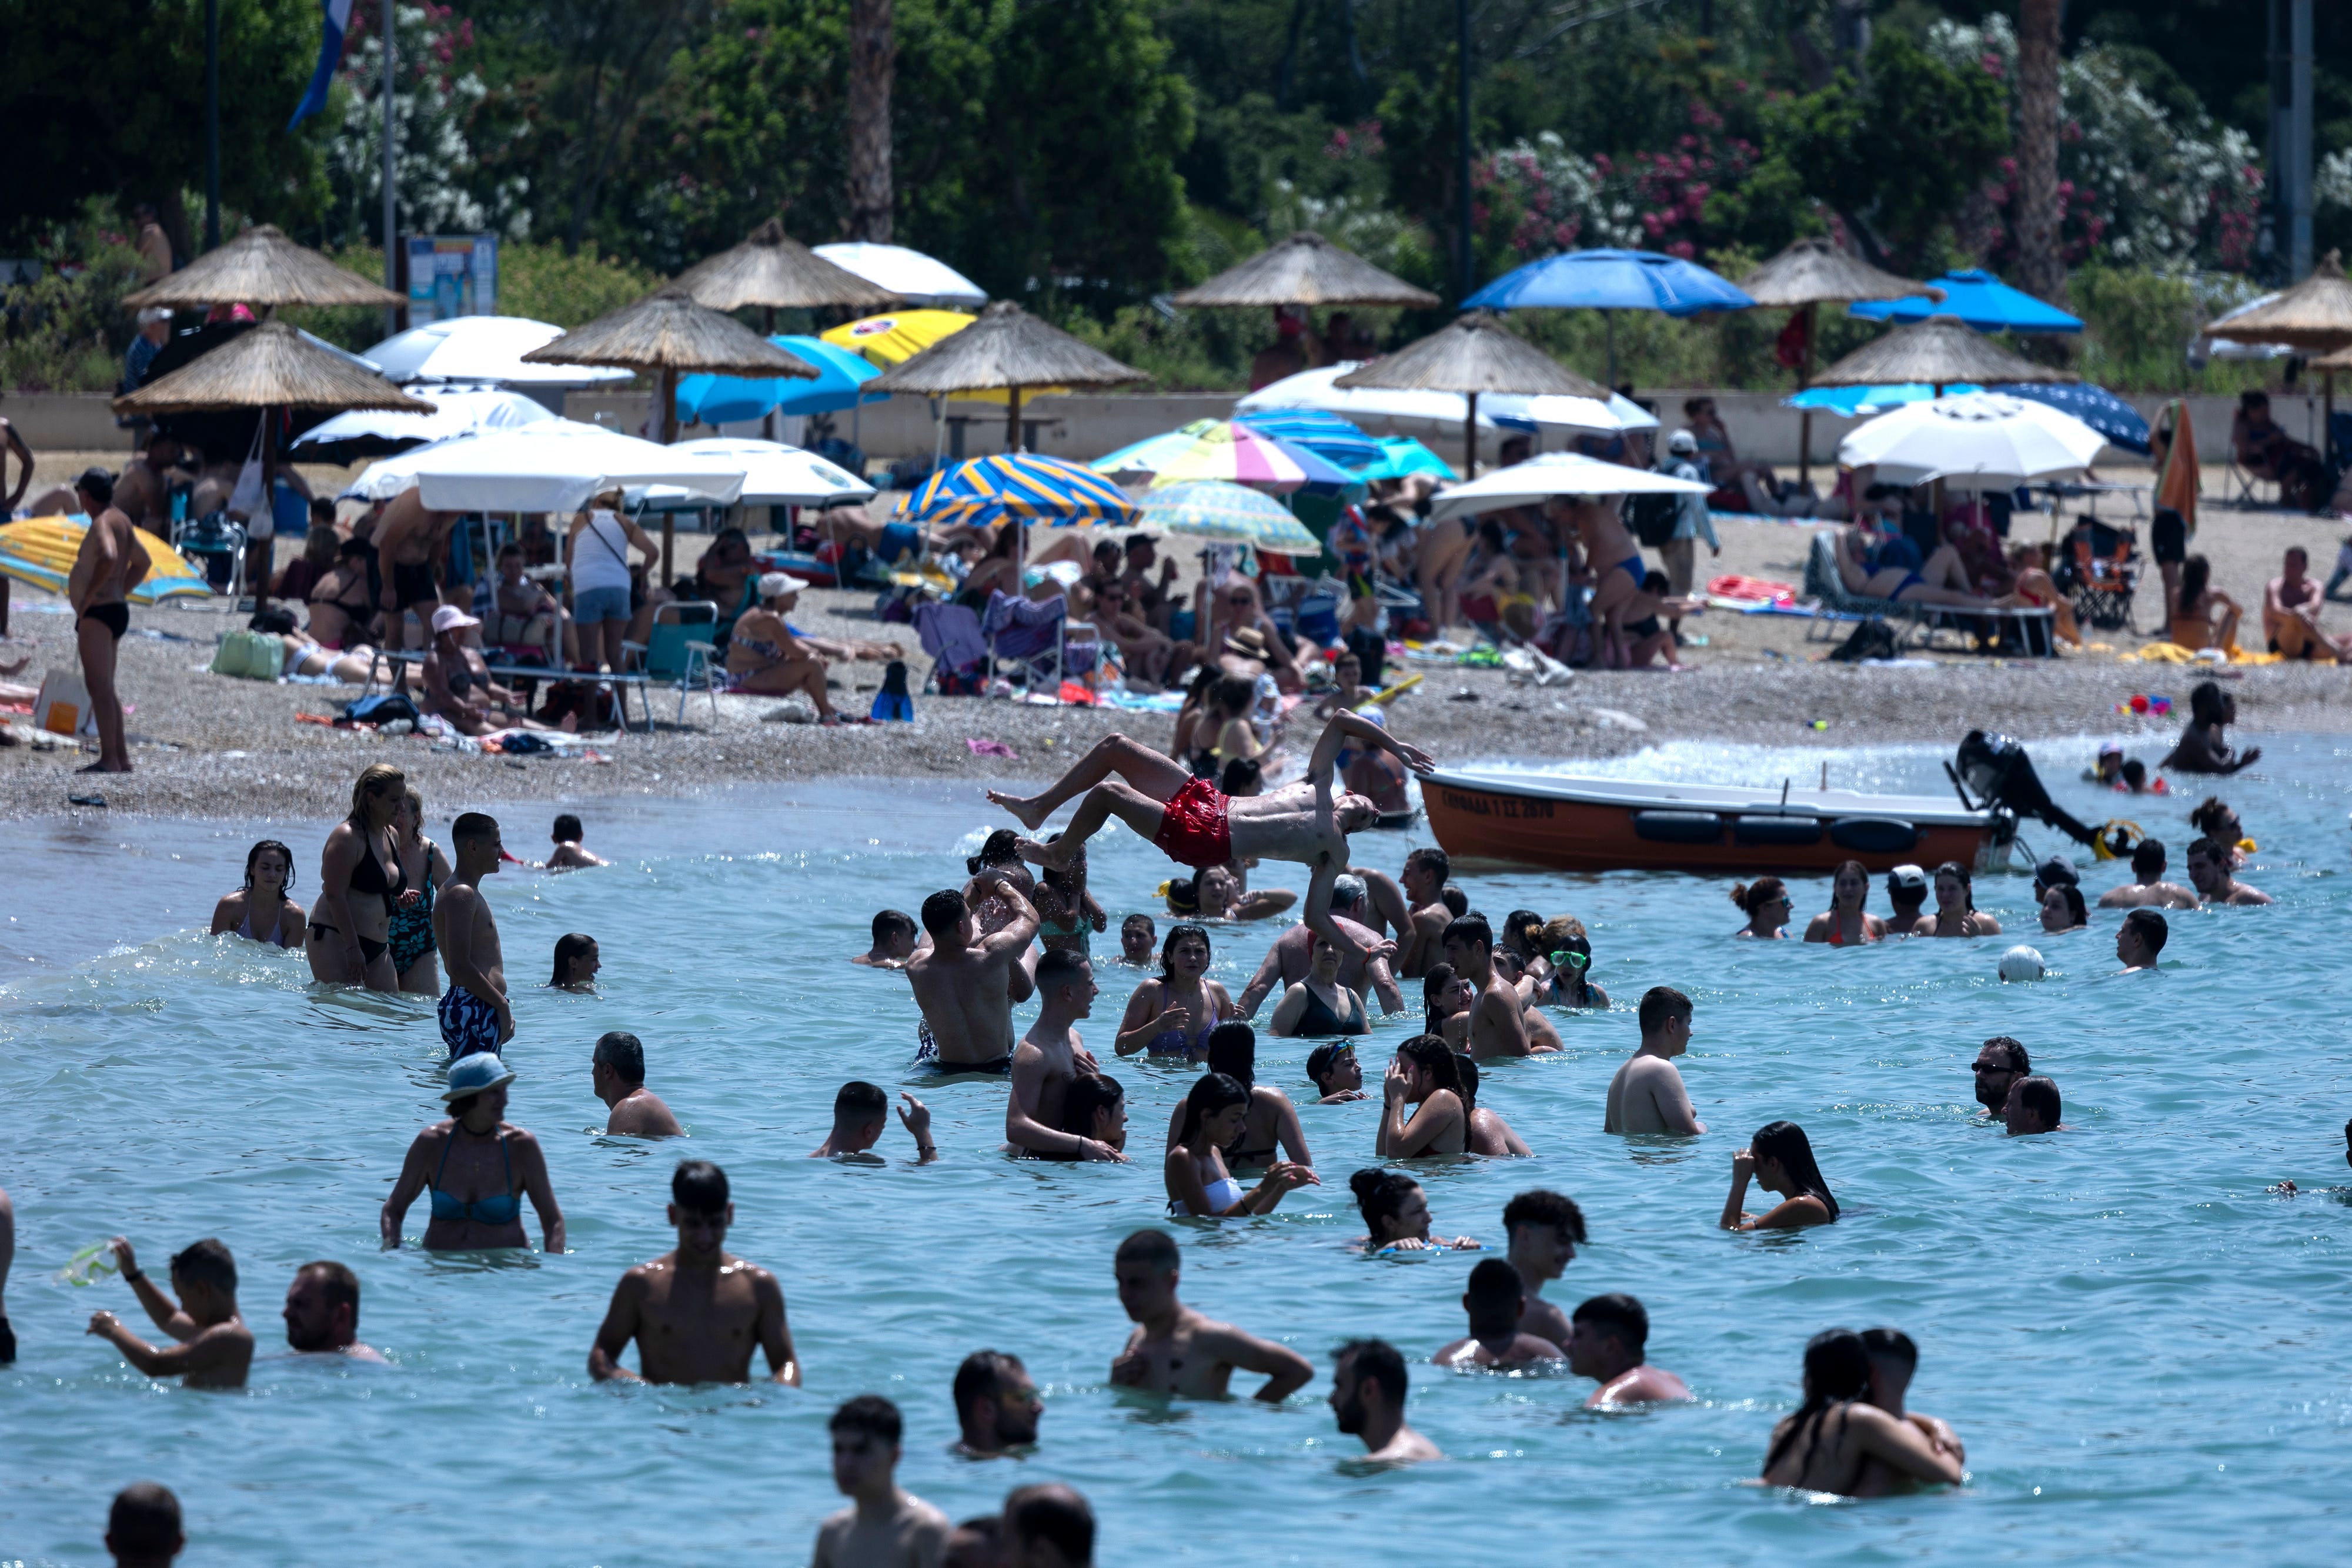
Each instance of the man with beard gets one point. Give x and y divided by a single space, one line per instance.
322 1311
1368 1393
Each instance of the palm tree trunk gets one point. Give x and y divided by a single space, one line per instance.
2040 271
872 59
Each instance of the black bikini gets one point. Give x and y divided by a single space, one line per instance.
368 877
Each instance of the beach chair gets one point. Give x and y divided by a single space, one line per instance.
1036 636
1833 602
681 647
2098 569
217 540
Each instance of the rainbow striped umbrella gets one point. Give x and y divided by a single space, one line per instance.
988 490
1227 514
1219 449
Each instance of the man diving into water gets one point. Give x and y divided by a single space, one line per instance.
1195 824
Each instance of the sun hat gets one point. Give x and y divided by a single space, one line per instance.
476 1073
449 618
1248 642
1906 875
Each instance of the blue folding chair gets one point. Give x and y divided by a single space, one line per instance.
682 646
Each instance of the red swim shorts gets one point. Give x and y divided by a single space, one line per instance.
1192 831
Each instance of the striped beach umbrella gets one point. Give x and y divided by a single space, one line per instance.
1220 449
1326 434
1228 514
1023 486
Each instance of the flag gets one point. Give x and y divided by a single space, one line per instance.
330 55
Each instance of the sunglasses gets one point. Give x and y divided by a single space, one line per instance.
1991 1067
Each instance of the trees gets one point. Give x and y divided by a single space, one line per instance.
2039 270
873 55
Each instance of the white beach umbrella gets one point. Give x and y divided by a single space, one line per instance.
774 475
1977 440
458 412
552 466
1551 474
484 349
1620 413
909 274
1313 389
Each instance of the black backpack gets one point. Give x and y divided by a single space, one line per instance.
1873 639
1652 517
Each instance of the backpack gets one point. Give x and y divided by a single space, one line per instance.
1873 639
1652 517
249 656
382 707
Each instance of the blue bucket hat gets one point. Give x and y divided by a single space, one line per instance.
474 1073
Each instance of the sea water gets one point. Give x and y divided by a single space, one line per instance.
2143 1347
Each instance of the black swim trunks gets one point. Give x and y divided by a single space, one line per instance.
411 583
2168 536
115 617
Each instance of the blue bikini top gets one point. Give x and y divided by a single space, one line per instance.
504 1209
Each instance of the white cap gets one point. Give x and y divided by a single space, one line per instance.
779 584
2022 963
1681 440
449 618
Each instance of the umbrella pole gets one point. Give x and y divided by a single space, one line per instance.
768 419
668 435
1470 440
268 506
2327 415
1805 417
1013 419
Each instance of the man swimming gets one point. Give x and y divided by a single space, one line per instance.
1139 942
142 1528
1367 1394
1608 1339
2142 937
1498 1019
474 1013
1292 955
1194 824
861 1113
214 1347
1999 1064
2203 748
1892 1361
568 854
1496 1301
2148 889
1542 1230
695 1312
1906 892
1420 946
1047 1527
1049 1058
997 1408
1175 1350
2208 870
894 941
1336 1073
885 1526
616 1069
2033 1108
1647 1094
963 984
322 1311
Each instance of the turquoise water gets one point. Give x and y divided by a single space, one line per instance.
2142 1348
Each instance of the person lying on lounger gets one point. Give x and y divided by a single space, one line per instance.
1889 573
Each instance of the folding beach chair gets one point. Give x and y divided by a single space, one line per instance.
681 647
218 542
1036 635
952 636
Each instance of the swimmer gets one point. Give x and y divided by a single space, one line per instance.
2136 781
1956 907
1835 1453
2213 818
1047 1527
1216 893
2033 1108
2203 748
359 877
963 984
1532 991
1608 1341
976 1543
1067 914
616 1069
1780 1158
214 1347
1194 824
1368 1395
997 1408
1396 1215
885 1526
1336 1073
1216 1114
142 1528
1767 905
476 1098
1845 923
1498 1022
1647 1093
568 854
1163 1013
475 1015
2139 941
1489 1134
322 1313
1892 1361
2148 889
1287 963
1318 1006
1421 943
1177 1350
2062 908
2109 768
1049 1057
1567 948
861 1111
2001 1063
1423 1073
577 962
1542 1230
894 941
260 911
1138 937
1906 892
697 1311
1273 1120
1094 1107
2208 870
1496 1301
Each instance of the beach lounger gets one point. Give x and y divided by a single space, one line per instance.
2034 628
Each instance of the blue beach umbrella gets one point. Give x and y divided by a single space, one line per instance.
1326 434
985 491
2096 407
1852 402
1977 298
725 400
1612 280
1401 457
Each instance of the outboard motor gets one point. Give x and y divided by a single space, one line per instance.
1996 770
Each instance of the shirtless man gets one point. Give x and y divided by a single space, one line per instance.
1368 1395
569 853
322 1313
2208 869
2140 939
1049 1058
110 564
2001 1063
884 1526
1177 1350
1421 945
861 1113
1893 1360
997 1408
2148 890
617 1070
2034 1107
475 1014
1496 1301
696 1312
1190 821
1607 1339
1906 892
1542 1230
2203 748
1498 1019
1287 961
142 491
960 985
894 941
214 1346
1647 1093
409 541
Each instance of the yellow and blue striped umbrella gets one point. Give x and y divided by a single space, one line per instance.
988 490
40 551
1226 513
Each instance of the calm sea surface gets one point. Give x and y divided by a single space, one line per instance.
2143 1349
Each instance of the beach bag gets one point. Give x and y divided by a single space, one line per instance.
245 500
382 707
249 655
1873 639
63 706
1652 518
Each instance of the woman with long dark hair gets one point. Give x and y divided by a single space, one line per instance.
2203 616
1567 948
1489 1133
1955 905
1095 1107
1424 1074
1765 901
1846 924
1445 1002
1199 1184
1273 1120
1396 1214
1172 1014
1780 1158
1826 1443
261 910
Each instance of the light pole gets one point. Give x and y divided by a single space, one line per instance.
212 124
390 214
1464 273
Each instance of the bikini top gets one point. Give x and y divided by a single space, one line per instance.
245 927
1172 1041
369 876
503 1209
1319 1018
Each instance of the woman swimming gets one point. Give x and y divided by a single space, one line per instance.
1396 1215
1318 1006
1955 905
260 911
1424 1074
1273 1120
1846 924
1568 947
1162 1014
1836 1408
1489 1133
1779 1158
360 884
2062 908
577 960
1447 1000
1198 1182
1766 904
426 869
1068 913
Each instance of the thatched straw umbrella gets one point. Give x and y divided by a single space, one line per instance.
270 367
775 272
1005 350
1475 354
2316 314
260 267
1306 269
1809 274
1941 352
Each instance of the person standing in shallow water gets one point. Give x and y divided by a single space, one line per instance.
215 1348
885 1526
1828 1444
475 1015
495 1160
697 1311
1175 1350
1369 1384
1845 923
617 1069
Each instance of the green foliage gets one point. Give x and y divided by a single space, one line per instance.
68 331
2138 324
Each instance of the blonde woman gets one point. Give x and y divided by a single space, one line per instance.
360 884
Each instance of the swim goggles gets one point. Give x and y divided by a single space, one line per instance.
1569 958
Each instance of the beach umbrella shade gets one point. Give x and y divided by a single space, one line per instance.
485 351
1942 352
1005 349
1618 413
371 432
1981 440
263 268
839 383
1977 298
227 434
1808 275
1306 269
2315 315
772 271
2102 411
1327 436
1219 449
556 465
1020 486
1401 457
896 336
1551 474
1852 402
40 553
909 274
1476 354
774 475
1228 514
1610 280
